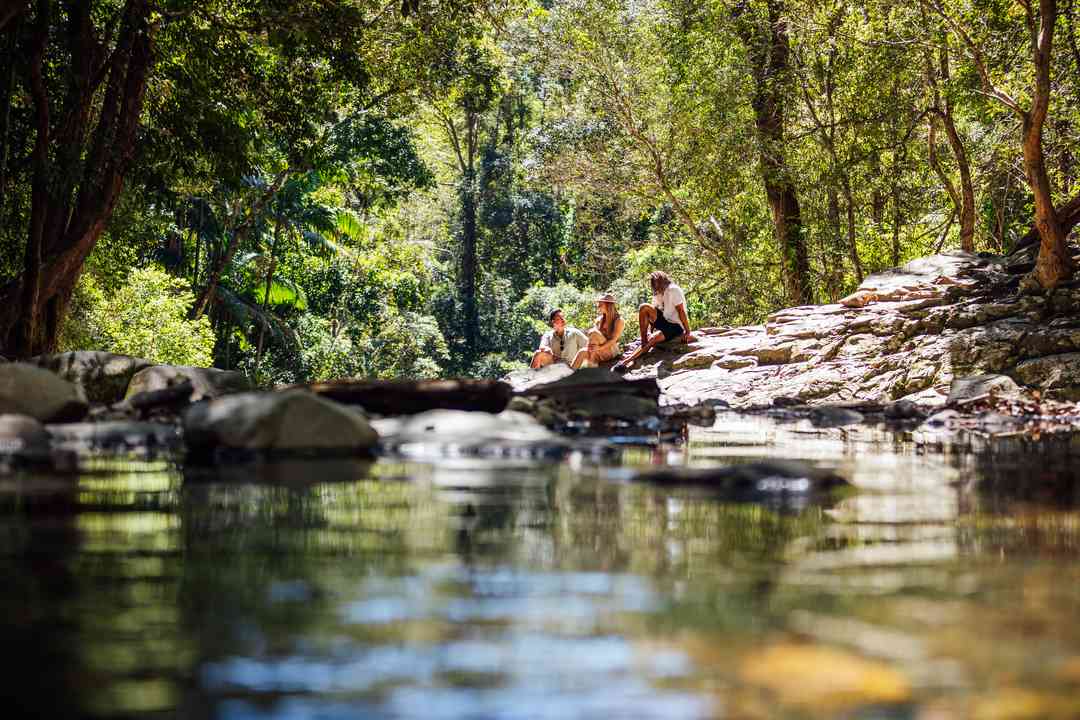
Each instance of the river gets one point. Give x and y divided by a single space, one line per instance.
947 586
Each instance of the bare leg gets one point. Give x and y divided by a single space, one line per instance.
646 317
653 340
580 358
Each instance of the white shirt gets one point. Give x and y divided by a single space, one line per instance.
566 347
668 301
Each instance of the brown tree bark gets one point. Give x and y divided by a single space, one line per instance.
1068 218
79 174
1054 266
769 52
10 10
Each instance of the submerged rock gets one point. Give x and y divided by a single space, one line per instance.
293 421
205 383
103 377
823 679
30 390
451 433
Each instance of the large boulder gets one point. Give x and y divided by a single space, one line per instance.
294 421
522 380
30 390
978 387
1057 374
206 383
102 377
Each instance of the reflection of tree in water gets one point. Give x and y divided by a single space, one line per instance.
494 508
38 551
1023 502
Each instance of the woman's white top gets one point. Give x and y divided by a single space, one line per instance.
668 301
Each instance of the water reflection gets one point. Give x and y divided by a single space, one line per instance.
944 588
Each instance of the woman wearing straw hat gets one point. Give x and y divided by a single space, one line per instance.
603 335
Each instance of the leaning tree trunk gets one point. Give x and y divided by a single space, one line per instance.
75 187
1054 265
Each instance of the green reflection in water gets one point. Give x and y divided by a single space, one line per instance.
468 590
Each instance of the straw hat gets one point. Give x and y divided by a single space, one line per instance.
606 298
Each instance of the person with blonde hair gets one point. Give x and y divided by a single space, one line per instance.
665 317
603 335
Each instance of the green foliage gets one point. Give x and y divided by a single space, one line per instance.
146 317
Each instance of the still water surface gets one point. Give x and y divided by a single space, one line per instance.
947 587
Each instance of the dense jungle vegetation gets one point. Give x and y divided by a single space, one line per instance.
306 190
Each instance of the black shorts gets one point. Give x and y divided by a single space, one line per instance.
671 330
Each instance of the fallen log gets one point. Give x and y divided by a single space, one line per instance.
408 397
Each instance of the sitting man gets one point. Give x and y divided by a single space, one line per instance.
560 344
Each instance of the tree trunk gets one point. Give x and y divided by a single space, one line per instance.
1054 265
853 248
266 297
966 207
835 273
74 194
769 54
468 261
10 53
27 338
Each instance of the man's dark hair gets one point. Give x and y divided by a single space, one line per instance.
552 314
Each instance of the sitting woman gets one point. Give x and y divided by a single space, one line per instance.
603 335
662 321
666 315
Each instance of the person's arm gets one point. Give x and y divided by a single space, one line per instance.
681 308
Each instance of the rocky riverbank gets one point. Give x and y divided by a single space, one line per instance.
904 335
945 344
949 339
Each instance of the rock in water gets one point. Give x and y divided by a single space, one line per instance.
206 383
522 380
23 438
455 433
290 422
976 387
30 390
113 436
597 392
758 479
103 377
